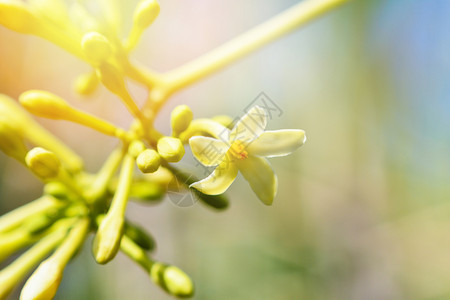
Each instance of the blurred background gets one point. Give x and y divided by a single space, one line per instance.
363 209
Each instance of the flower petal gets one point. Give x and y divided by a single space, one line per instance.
259 174
209 151
277 143
250 126
219 180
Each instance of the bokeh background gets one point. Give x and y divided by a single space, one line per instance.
363 209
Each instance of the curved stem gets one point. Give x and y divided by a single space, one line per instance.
248 42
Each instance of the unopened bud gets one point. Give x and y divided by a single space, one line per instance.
44 282
172 279
148 161
146 191
111 78
139 236
107 240
96 47
38 223
171 149
11 141
57 190
180 118
145 13
44 104
86 84
43 163
136 147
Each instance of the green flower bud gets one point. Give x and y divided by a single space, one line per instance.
180 119
44 282
11 141
139 236
38 223
172 279
111 78
145 13
171 149
58 190
86 84
148 161
44 104
136 147
96 47
145 191
107 240
43 163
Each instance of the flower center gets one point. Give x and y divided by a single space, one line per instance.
237 150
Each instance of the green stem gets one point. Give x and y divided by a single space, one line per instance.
248 42
16 271
104 176
14 218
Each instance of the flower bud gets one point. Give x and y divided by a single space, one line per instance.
43 163
172 279
44 104
145 13
57 190
171 149
180 119
86 84
38 223
139 236
107 240
44 282
146 191
136 147
96 47
148 161
11 141
111 78
48 105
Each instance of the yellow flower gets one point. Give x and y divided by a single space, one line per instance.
243 149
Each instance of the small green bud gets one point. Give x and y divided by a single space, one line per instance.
43 163
146 13
57 190
44 104
136 147
148 161
38 223
139 236
86 84
180 119
145 191
96 47
172 279
171 149
44 282
111 78
11 141
107 240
